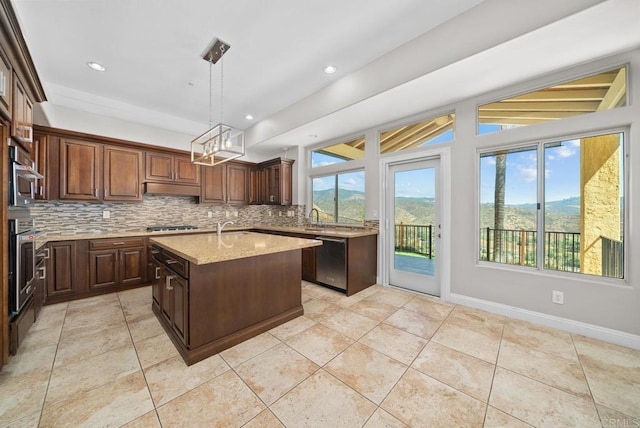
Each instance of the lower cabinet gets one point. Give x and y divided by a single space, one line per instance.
114 262
64 271
309 264
170 293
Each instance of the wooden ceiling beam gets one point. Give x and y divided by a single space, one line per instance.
616 92
584 106
598 81
562 95
344 151
538 115
416 139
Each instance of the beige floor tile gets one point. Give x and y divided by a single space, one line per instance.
319 343
148 420
323 401
98 307
92 303
221 402
414 322
540 338
35 359
613 374
144 327
88 324
394 343
135 313
382 419
275 372
248 349
613 419
561 373
50 316
112 404
434 308
497 419
473 336
43 337
350 324
419 400
76 347
378 311
21 394
136 297
293 327
456 369
266 419
313 290
171 378
30 421
367 371
155 349
392 296
69 379
539 404
318 309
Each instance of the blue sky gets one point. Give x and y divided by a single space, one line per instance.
416 183
349 181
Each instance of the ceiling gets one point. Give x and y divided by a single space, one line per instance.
273 70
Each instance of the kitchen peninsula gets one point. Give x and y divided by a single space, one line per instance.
211 292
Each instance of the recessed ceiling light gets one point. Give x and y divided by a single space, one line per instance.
249 117
313 135
330 69
96 66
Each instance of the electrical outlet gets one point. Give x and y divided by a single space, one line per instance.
210 214
106 214
226 213
269 213
280 213
557 297
235 213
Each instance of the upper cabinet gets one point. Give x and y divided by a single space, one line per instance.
94 172
5 85
22 120
170 168
274 182
225 183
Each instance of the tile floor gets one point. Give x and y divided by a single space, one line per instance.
381 358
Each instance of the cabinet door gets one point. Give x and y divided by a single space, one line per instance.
133 265
309 264
157 282
5 85
158 167
103 268
185 171
122 174
41 147
179 319
273 184
61 268
80 170
214 182
237 184
285 184
166 298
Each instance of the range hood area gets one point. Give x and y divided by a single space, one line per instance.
170 189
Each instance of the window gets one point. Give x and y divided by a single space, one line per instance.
582 209
338 153
339 198
431 131
603 91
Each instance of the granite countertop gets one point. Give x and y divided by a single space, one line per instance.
340 232
209 248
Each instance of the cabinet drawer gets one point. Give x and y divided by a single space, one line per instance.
104 244
175 263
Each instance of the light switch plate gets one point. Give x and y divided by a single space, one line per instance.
106 214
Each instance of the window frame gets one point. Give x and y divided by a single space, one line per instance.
540 143
337 211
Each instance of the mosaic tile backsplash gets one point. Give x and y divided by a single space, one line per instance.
79 217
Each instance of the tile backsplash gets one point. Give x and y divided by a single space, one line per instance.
156 210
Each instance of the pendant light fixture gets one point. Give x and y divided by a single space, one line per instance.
221 142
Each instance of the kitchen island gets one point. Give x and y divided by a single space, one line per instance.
212 292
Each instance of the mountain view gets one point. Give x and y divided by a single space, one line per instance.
561 215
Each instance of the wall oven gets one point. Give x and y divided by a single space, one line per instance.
22 261
23 178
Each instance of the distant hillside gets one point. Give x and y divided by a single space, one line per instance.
561 216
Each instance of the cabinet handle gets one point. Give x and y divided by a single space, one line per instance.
47 253
43 270
28 138
105 193
158 272
170 262
118 243
3 84
41 190
167 282
95 192
155 251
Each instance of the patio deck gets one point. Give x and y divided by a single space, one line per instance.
421 265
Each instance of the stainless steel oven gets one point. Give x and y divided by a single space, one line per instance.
23 178
22 261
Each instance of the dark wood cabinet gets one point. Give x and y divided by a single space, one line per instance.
41 157
274 182
6 85
115 262
61 269
309 264
170 168
22 115
122 174
80 170
225 183
170 293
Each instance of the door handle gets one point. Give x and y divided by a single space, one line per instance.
167 282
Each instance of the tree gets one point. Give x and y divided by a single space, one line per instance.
498 205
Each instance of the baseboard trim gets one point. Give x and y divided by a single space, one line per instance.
601 333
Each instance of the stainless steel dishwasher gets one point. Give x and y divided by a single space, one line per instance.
331 262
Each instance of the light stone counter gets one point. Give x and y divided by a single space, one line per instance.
207 248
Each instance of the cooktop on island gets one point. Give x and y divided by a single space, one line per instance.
168 228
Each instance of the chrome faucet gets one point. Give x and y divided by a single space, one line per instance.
221 226
317 215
